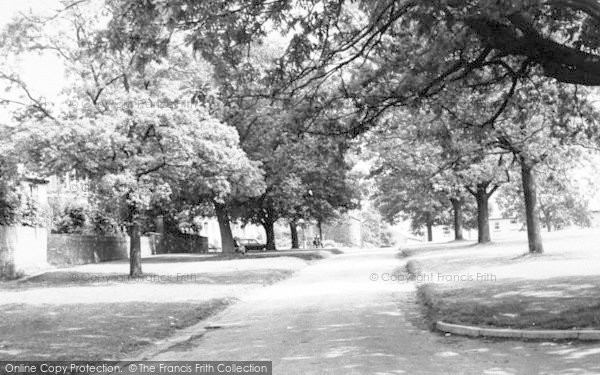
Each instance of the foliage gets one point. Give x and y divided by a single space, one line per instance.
31 214
379 55
9 202
374 231
561 199
71 220
138 133
424 160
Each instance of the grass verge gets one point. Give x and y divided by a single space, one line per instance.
496 286
95 312
94 331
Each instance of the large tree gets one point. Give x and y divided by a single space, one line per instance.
406 184
135 128
562 196
560 37
384 54
432 149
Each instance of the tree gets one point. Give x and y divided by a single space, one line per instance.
476 170
540 120
9 198
420 205
444 154
139 154
536 120
388 54
552 34
560 198
330 189
126 129
305 174
306 178
405 186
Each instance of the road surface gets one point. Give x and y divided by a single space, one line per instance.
332 318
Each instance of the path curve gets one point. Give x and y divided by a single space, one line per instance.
331 318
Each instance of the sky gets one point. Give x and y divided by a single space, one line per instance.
43 74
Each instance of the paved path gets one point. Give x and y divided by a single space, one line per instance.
332 319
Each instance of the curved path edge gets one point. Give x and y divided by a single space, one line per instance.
550 334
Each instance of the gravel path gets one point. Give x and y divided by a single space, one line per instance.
333 319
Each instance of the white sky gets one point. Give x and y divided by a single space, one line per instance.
43 74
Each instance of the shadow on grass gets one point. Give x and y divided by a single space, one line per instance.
192 258
555 303
66 278
94 331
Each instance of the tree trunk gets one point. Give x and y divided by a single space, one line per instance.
458 218
270 231
227 245
483 223
531 211
294 233
135 249
429 227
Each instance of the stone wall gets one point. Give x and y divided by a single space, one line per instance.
22 250
68 250
181 243
25 250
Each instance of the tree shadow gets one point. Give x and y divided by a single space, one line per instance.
552 303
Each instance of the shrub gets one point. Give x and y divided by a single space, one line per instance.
16 210
70 220
31 214
103 224
9 204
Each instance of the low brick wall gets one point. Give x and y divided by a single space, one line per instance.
22 250
70 250
181 243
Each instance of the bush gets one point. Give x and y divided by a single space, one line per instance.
9 204
83 220
103 224
70 220
31 214
14 210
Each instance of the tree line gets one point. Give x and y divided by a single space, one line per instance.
456 98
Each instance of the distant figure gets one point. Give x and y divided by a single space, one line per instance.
317 242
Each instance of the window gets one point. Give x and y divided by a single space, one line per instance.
496 226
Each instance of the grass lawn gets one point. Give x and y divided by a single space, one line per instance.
499 285
94 331
94 312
